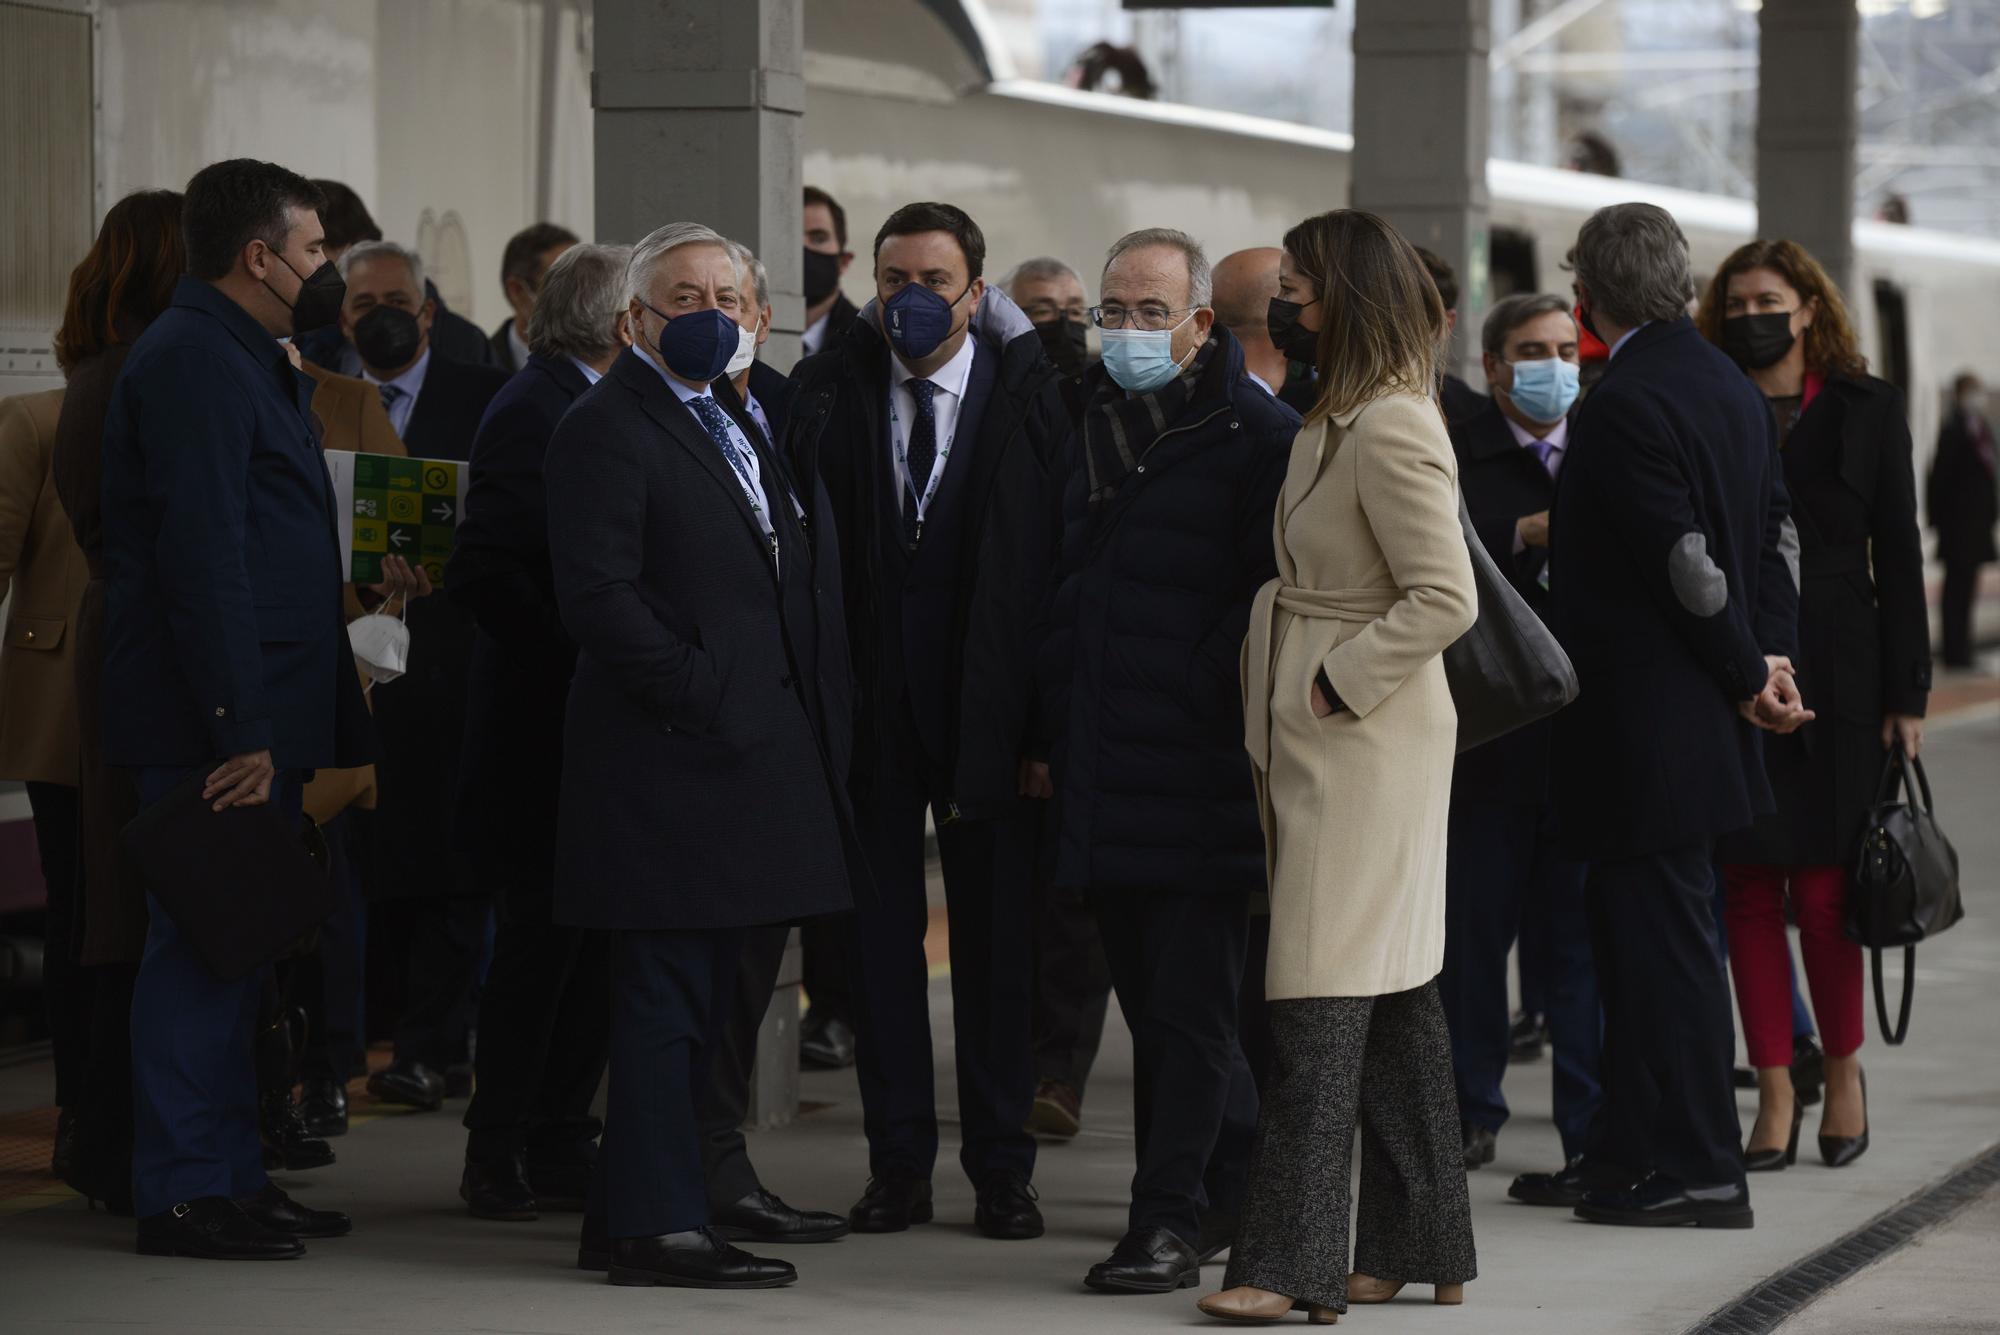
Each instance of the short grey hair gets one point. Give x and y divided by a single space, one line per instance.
1201 286
752 269
647 255
1510 313
582 297
363 251
1634 260
1043 267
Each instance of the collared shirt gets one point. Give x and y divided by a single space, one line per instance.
950 380
752 473
517 345
1558 440
1625 338
756 411
590 373
1261 382
815 335
409 384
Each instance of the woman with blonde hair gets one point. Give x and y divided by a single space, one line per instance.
1864 645
1351 731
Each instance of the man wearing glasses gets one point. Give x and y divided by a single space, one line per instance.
933 423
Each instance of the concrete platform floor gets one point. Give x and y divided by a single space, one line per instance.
416 1263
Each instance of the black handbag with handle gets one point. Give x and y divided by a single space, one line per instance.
1905 883
1508 670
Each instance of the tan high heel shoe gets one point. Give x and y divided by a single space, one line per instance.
1252 1306
1368 1289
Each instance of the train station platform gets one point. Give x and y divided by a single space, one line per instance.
416 1262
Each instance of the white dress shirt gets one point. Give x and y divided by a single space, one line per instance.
1625 338
409 384
753 483
518 345
590 373
950 380
814 336
1261 382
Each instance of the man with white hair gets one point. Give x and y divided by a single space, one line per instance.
706 737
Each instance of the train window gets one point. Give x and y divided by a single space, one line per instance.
1892 321
1510 263
46 210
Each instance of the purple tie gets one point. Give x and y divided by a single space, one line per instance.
1545 452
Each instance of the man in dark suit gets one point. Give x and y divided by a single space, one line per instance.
523 265
933 425
1674 587
1505 869
226 656
707 731
543 1009
1456 397
828 311
1963 505
435 405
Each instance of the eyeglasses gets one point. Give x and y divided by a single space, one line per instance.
1141 317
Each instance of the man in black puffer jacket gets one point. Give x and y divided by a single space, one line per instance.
933 423
1175 469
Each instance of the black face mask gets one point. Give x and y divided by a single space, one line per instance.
1067 342
1754 342
320 294
1297 342
387 338
822 276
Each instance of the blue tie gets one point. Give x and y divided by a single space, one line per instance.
1543 451
711 415
922 456
389 393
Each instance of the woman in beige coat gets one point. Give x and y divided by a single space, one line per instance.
1351 730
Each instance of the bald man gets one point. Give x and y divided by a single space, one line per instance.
1245 282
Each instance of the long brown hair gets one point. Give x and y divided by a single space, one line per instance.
131 270
1382 322
1831 347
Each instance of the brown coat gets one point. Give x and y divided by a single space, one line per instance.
351 418
41 562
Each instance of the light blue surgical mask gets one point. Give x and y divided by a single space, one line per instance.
1544 390
1140 360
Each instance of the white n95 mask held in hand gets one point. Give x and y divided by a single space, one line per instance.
381 644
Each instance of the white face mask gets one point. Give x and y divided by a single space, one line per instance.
381 644
746 351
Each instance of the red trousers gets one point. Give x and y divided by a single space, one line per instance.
1755 913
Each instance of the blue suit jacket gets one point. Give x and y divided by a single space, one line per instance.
1672 572
222 624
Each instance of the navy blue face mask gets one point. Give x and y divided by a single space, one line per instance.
918 320
696 346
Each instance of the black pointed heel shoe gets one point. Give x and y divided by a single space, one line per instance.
1771 1160
1840 1151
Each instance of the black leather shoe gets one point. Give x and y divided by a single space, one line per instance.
1007 1209
498 1189
1479 1147
1808 1070
826 1042
593 1248
891 1204
278 1212
1775 1159
694 1260
288 1144
410 1083
1146 1260
560 1187
1840 1151
762 1217
1663 1202
323 1105
214 1228
1567 1188
1526 1038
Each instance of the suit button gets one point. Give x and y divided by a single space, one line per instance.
1234 425
220 712
1142 468
31 637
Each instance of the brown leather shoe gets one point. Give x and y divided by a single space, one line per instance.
1367 1289
1252 1306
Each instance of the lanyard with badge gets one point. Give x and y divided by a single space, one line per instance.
904 482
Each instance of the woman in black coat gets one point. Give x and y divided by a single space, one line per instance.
1864 667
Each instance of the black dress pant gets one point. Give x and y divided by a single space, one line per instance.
725 1097
1072 986
331 982
826 970
447 939
1956 601
1176 963
544 1031
988 868
66 987
670 993
1669 1104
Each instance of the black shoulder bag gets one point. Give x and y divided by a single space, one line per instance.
1508 670
1905 883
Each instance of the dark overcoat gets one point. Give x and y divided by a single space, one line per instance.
1672 574
1138 666
1962 497
1864 626
707 736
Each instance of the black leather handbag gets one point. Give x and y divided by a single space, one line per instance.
1508 670
1905 883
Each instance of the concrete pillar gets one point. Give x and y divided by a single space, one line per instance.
700 112
699 116
1420 135
1806 124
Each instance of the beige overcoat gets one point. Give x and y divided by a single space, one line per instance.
1373 584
